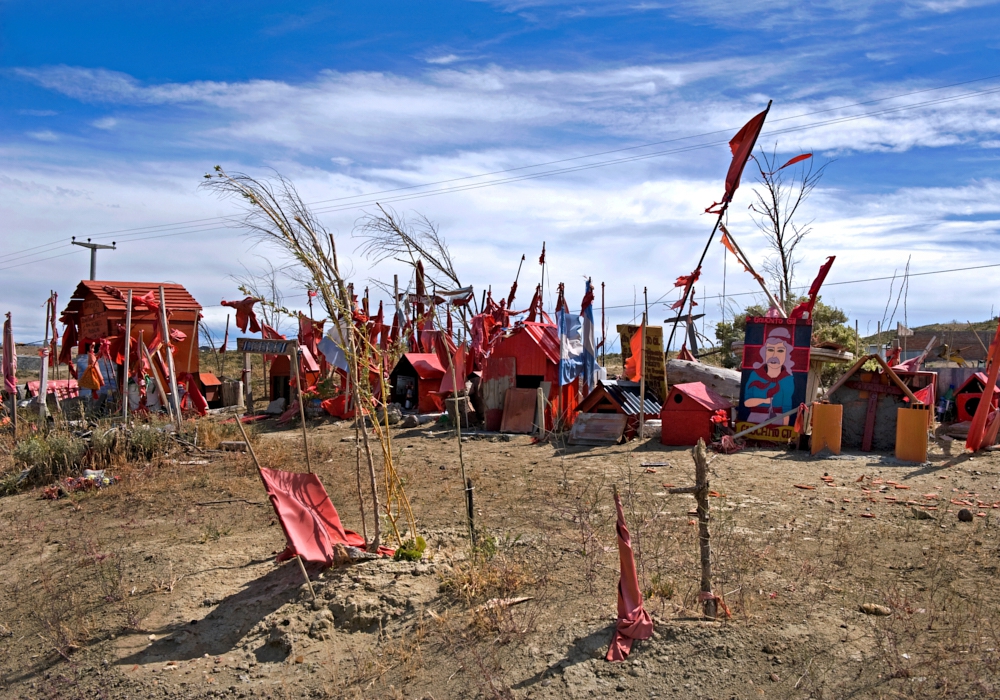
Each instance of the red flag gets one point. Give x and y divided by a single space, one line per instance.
796 159
686 281
806 307
633 365
541 260
823 271
633 620
742 146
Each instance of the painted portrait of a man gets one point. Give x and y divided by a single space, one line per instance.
770 389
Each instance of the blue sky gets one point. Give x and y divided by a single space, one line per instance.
111 112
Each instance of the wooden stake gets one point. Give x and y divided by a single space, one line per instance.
174 393
461 458
302 566
302 403
156 377
128 348
247 383
705 546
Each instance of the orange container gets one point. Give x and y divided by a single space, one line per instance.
827 423
911 434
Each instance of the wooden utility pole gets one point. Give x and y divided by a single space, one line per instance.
128 348
642 364
43 379
165 330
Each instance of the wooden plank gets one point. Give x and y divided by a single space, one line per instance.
598 429
866 441
497 379
519 411
260 346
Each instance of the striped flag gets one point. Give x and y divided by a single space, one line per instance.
590 370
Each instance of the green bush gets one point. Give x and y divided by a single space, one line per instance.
412 550
50 456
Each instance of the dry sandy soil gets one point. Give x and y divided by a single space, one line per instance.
165 585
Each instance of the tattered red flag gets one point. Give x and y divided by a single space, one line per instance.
796 159
541 259
742 147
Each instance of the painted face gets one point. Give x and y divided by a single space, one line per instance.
775 354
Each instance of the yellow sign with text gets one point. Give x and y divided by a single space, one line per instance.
653 359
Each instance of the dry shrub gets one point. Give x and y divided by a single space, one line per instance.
212 431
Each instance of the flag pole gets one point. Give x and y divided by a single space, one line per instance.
687 290
604 332
742 258
642 364
718 221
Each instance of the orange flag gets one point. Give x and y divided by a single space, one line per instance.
633 365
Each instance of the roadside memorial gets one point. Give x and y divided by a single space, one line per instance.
775 372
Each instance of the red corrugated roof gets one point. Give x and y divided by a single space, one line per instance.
427 364
696 391
546 335
177 298
981 376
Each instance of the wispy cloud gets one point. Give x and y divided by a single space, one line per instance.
45 135
105 123
443 60
38 112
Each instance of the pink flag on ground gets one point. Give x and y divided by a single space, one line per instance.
633 620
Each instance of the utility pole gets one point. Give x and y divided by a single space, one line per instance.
94 247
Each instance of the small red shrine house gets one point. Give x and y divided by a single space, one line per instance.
969 394
97 311
687 414
420 372
534 348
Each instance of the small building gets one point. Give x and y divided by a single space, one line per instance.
687 414
622 397
528 358
416 379
280 375
872 394
970 393
97 311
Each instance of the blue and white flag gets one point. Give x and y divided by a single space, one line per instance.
570 347
588 360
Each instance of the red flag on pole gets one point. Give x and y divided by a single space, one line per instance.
742 146
633 365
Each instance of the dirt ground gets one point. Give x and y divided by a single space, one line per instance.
165 584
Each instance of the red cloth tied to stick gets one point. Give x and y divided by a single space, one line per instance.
311 523
633 620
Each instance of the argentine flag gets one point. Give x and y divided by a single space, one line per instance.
570 347
588 359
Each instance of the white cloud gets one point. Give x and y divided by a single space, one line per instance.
106 123
45 135
640 223
443 60
38 112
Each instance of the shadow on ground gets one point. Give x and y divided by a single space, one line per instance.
221 630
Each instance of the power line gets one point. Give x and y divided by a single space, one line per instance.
193 223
